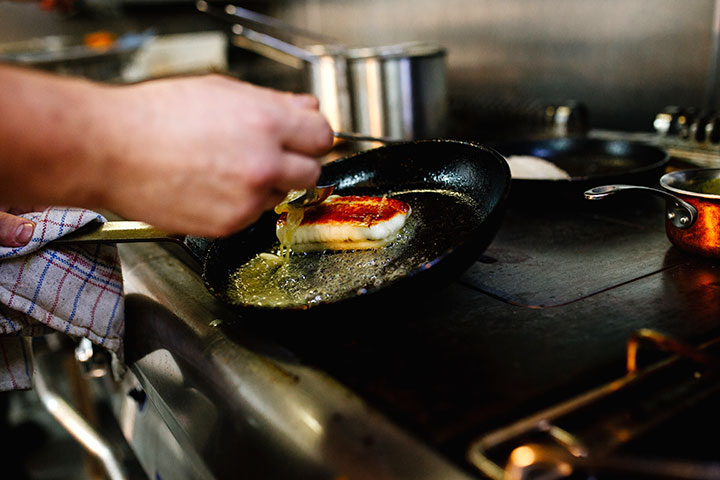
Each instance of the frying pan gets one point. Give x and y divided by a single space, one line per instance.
589 162
692 213
456 190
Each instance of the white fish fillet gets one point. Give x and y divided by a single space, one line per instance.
347 223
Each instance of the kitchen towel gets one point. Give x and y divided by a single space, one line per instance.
73 289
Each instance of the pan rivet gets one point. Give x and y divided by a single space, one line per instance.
671 215
684 220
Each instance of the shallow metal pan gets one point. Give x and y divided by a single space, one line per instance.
457 192
589 162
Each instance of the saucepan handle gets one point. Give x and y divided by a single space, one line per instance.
679 212
279 49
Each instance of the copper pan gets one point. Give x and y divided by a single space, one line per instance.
692 215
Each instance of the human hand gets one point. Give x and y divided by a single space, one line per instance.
201 155
207 155
15 231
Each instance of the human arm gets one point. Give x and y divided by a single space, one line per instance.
199 155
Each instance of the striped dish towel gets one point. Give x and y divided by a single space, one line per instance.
74 289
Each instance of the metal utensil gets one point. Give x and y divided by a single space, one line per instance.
679 212
117 231
124 231
359 137
312 196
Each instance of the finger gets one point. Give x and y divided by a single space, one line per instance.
21 210
307 132
273 198
298 172
304 101
15 231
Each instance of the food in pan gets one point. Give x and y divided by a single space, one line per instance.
276 280
343 223
350 261
528 167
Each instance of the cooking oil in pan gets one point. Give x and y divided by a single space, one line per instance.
304 280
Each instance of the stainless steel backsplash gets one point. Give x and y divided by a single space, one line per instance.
624 59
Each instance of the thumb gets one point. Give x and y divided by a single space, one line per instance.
15 231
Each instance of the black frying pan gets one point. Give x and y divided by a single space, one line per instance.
456 190
589 162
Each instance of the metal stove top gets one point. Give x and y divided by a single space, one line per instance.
544 315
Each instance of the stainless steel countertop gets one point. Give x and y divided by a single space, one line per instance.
240 403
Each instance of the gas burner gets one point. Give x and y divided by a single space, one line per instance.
600 433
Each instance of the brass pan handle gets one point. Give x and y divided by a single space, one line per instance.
117 231
679 212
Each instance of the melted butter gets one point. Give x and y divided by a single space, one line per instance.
282 280
303 280
292 222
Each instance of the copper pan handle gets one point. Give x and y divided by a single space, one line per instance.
679 212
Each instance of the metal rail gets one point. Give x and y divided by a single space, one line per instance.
589 442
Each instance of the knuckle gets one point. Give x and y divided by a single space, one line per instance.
322 140
265 174
271 124
266 122
306 101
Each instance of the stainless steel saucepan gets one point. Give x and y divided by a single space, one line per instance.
397 91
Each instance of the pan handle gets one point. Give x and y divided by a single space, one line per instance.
679 212
119 231
265 44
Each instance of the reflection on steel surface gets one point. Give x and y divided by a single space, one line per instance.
575 441
77 426
283 419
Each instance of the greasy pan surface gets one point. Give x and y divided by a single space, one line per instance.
589 162
456 191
